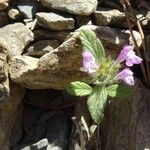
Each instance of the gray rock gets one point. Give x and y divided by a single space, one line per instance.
25 64
78 7
129 127
4 4
30 23
11 110
58 68
45 34
28 8
113 17
57 131
14 13
42 47
3 19
40 145
55 21
19 37
4 81
146 20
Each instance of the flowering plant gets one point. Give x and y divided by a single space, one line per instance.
104 74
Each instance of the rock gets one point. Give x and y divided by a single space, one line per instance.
58 68
11 111
56 134
32 124
26 65
4 81
42 47
28 8
14 13
146 20
78 7
45 34
55 21
126 123
113 17
42 144
19 37
4 4
3 19
57 131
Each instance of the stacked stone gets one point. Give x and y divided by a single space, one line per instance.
40 47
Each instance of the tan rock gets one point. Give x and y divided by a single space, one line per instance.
58 68
11 110
19 37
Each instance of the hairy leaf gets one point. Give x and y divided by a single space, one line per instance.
92 43
96 104
119 91
79 89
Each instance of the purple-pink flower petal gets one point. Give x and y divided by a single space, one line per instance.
132 59
128 54
89 63
126 75
123 54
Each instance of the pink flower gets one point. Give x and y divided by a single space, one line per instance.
126 75
128 54
89 63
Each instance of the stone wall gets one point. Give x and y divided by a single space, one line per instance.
40 53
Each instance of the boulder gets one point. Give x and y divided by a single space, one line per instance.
10 122
14 13
42 47
58 68
4 81
107 17
55 21
19 37
41 34
126 123
78 7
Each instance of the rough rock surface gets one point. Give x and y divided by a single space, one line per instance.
4 82
25 66
14 13
19 37
111 17
61 66
42 47
55 21
11 111
79 7
56 35
126 124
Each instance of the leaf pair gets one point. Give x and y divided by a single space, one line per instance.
97 98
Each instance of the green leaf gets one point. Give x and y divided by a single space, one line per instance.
92 43
119 91
96 104
79 89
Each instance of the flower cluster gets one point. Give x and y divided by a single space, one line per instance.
127 54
